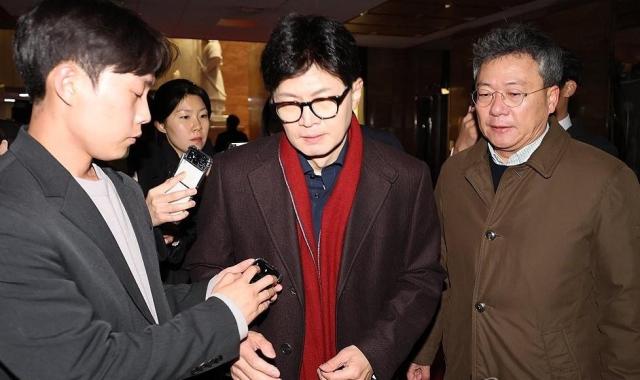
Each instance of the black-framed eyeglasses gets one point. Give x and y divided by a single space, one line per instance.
511 99
323 108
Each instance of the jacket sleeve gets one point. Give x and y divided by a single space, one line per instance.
184 296
412 302
49 329
616 268
427 352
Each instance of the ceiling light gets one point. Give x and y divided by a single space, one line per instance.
447 5
444 91
23 95
9 100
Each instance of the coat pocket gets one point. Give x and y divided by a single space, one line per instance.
561 359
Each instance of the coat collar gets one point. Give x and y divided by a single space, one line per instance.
543 161
546 158
273 199
64 193
477 170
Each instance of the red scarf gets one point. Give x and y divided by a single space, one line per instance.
320 277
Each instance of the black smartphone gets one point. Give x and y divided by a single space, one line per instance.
195 163
265 270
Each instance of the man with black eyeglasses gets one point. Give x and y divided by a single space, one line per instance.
349 222
541 235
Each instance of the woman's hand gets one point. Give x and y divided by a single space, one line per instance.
169 207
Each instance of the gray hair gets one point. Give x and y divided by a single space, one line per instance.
520 39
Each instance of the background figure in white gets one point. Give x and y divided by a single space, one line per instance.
212 80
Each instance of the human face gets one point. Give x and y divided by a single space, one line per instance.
510 129
319 140
107 116
188 124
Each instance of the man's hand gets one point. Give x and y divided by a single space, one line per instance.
4 147
418 372
251 299
250 366
160 204
236 269
350 363
467 132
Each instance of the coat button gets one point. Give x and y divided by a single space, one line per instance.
480 307
285 348
292 290
491 235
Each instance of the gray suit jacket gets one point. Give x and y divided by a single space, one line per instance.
69 306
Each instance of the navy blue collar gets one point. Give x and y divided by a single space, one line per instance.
306 166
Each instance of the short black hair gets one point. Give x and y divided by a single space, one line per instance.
520 39
298 42
233 121
95 34
571 68
167 97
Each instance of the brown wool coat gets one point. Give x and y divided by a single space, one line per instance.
544 274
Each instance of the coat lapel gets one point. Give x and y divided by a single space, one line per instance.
375 174
544 160
81 211
478 172
272 196
138 215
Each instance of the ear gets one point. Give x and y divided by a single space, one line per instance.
553 94
64 81
569 89
160 127
356 93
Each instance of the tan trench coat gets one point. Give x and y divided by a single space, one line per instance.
544 274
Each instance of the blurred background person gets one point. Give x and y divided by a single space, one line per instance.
231 135
180 113
571 80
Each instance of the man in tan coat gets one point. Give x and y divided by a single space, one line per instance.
541 235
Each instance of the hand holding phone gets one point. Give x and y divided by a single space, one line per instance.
252 298
162 205
195 164
266 269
